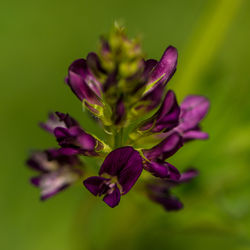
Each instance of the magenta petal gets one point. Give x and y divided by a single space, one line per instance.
94 184
188 175
195 134
85 140
166 66
113 198
193 110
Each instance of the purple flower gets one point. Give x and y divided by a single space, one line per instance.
193 110
156 156
83 83
165 68
71 137
56 171
160 190
158 73
166 118
166 148
118 173
58 119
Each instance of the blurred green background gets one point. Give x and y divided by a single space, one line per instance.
39 39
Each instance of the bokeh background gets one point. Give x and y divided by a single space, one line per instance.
39 39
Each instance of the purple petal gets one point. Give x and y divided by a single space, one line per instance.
126 164
169 146
163 170
83 83
188 175
94 63
94 184
166 66
51 183
85 140
52 123
195 134
170 203
67 119
119 111
35 181
149 66
193 110
167 117
51 160
113 198
70 151
75 137
39 161
152 98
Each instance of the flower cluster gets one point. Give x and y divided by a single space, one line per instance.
143 122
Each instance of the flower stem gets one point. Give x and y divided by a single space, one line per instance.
118 138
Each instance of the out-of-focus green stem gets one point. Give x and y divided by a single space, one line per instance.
205 42
118 138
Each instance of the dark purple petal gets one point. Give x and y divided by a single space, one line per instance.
163 170
85 140
170 203
36 181
166 118
148 67
152 98
193 110
58 120
94 63
119 112
70 151
83 83
188 175
105 47
75 138
126 164
166 66
95 184
169 146
67 119
52 123
113 198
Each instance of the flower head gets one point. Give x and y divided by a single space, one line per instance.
121 89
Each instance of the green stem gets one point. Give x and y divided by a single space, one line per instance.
118 138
